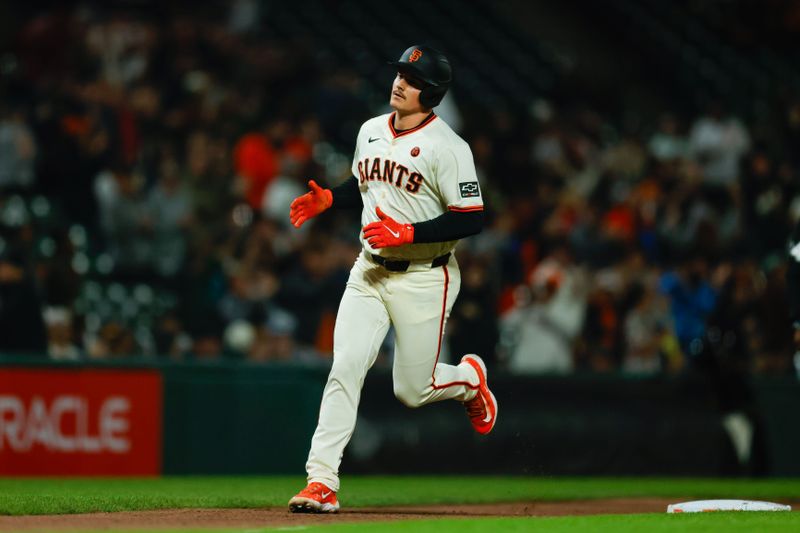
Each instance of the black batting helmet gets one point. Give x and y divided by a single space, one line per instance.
430 66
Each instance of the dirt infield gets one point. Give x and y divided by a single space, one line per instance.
277 517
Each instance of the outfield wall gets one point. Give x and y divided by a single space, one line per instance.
150 418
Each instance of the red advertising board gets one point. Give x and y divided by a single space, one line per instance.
80 422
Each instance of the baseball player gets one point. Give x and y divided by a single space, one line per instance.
416 183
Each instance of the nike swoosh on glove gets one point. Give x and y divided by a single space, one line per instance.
387 232
310 204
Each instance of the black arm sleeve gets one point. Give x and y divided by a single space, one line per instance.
450 226
347 194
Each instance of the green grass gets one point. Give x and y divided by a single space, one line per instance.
652 523
59 496
722 522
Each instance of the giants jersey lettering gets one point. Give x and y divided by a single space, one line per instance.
413 176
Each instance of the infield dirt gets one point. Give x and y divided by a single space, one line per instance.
279 516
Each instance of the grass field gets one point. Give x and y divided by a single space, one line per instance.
62 496
722 522
717 522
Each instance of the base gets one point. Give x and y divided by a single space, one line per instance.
707 506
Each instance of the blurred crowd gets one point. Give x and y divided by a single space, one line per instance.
146 172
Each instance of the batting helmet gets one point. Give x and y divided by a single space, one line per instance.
431 67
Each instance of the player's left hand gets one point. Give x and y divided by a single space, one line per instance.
387 232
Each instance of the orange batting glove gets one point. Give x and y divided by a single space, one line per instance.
387 232
310 204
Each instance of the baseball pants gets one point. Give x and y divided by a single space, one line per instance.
417 303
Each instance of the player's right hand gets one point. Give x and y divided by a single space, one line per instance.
310 204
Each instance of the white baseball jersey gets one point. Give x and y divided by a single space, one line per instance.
414 175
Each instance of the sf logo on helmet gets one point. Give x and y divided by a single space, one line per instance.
415 55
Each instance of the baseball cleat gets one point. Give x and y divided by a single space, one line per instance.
482 409
315 498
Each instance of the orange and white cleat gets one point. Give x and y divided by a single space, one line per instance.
315 498
482 409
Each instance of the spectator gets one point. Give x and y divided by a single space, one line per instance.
692 300
113 342
765 197
310 290
540 334
214 191
793 284
275 339
472 326
280 193
124 220
600 338
667 144
60 334
718 142
207 339
168 209
200 288
17 151
170 339
22 330
772 317
60 282
648 333
256 160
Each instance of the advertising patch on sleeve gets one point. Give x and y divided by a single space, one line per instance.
469 189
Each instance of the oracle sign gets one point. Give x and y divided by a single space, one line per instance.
80 422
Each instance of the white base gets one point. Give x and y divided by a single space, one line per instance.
705 506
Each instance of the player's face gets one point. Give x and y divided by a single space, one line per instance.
405 93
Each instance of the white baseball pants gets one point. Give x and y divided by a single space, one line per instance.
417 303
